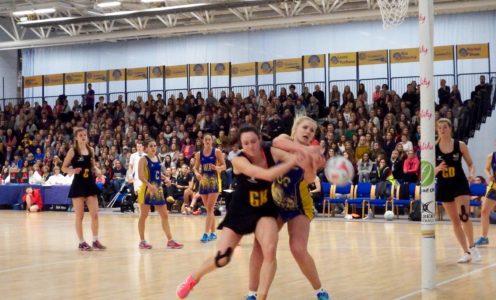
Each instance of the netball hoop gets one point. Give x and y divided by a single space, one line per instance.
393 12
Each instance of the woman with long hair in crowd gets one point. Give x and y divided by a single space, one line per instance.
80 161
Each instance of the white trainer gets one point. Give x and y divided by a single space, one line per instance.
474 251
466 258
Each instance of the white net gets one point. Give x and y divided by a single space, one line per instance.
393 12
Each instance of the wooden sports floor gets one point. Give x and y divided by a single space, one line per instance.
356 260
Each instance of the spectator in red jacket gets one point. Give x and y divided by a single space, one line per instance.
411 167
33 200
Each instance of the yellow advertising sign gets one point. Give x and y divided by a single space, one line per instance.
345 59
137 74
372 57
32 81
156 72
265 67
54 79
314 61
404 55
246 69
74 78
198 70
116 75
176 71
288 65
443 53
219 69
472 51
96 76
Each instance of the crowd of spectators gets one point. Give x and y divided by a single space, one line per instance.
378 131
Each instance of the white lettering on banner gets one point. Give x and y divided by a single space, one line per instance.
425 146
425 82
424 113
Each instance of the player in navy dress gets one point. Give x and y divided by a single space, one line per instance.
251 210
209 161
151 193
489 201
80 161
452 187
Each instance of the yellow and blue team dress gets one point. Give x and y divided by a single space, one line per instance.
210 182
491 194
292 195
152 175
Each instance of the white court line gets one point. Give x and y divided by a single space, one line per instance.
447 281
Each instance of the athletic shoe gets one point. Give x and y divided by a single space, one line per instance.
323 295
171 244
212 237
475 254
465 258
252 297
205 238
482 241
85 247
98 246
184 288
145 245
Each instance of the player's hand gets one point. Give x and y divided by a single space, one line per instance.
441 167
77 170
153 189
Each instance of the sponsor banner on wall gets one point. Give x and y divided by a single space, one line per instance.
156 72
314 61
404 55
472 51
443 53
198 70
265 67
245 69
372 57
219 69
137 74
176 71
116 74
96 76
33 81
74 78
288 65
54 79
344 59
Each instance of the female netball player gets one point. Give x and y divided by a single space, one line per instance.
453 189
489 201
292 197
208 162
80 161
151 193
251 209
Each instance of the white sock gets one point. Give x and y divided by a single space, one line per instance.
81 241
95 238
252 293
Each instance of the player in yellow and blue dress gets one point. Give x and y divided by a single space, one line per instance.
292 196
150 193
489 201
209 161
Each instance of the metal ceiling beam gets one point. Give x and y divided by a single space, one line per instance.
302 20
150 12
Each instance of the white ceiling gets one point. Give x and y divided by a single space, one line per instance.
89 23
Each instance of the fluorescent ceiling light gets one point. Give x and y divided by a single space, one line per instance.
40 11
108 4
44 20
